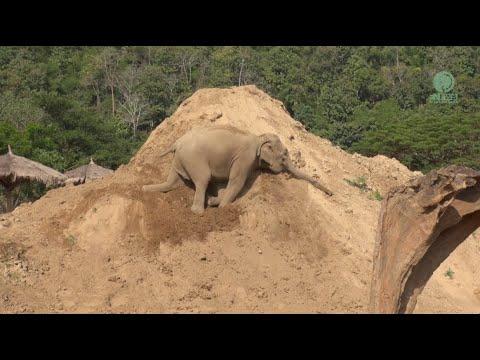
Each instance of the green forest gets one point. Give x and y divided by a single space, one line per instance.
61 105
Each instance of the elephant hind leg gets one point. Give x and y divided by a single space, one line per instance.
201 178
198 206
173 181
201 185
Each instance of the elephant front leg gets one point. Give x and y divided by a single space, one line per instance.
234 187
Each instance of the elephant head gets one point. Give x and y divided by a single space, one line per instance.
273 155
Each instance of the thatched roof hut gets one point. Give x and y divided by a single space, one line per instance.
15 170
88 172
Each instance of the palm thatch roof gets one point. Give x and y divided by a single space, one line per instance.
16 169
88 172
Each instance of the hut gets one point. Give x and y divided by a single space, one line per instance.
15 170
88 172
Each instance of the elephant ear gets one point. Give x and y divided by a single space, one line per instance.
264 139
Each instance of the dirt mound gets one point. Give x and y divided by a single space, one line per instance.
283 246
119 210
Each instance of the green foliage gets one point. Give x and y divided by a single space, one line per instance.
375 195
359 182
425 139
70 240
449 273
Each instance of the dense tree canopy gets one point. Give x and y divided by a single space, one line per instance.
61 105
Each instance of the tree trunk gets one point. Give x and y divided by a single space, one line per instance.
398 66
9 200
240 76
113 100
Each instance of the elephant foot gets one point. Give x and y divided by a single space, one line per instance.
213 201
149 188
198 210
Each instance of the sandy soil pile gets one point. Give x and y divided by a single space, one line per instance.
283 246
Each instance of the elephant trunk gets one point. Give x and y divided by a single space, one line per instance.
301 175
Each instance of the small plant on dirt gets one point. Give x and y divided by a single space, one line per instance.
376 196
71 240
449 273
359 182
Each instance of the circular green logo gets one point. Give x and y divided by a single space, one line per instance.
443 82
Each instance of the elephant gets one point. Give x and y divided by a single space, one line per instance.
225 153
